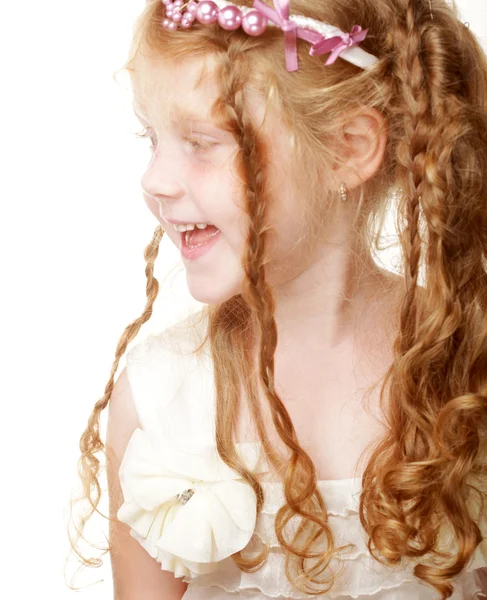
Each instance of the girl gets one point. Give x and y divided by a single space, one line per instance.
319 428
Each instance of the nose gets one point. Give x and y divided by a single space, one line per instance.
162 179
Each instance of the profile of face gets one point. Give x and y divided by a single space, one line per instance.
192 175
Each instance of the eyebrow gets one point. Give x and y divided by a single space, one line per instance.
180 112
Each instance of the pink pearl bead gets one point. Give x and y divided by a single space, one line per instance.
185 24
172 26
230 18
207 12
178 3
254 23
166 2
192 6
177 17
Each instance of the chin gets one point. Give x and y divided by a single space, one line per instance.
217 292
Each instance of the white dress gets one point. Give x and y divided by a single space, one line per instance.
194 535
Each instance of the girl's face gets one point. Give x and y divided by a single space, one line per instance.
192 178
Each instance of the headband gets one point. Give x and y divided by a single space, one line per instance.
254 21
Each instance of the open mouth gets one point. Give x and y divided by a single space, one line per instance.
191 250
198 237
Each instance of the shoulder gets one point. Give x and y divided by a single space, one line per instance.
170 377
182 338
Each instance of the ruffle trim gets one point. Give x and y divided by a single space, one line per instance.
342 496
362 578
467 589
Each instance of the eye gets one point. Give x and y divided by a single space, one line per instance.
196 145
199 145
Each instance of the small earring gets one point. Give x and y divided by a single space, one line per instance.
343 192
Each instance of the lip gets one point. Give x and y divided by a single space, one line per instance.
177 222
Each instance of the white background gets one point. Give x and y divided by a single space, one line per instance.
73 230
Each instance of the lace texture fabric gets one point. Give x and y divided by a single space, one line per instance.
190 511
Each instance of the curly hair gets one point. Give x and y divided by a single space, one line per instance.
431 86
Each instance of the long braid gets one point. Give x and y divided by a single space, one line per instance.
411 154
301 493
90 442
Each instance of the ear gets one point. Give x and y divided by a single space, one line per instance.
362 141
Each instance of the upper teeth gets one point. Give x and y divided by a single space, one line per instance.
190 226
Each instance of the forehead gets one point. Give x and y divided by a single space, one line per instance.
174 90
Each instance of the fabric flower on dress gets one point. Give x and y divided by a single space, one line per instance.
184 505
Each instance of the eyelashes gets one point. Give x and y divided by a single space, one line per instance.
147 133
196 145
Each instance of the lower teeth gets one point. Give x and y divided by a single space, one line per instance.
191 247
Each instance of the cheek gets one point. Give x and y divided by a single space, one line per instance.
216 190
227 197
153 206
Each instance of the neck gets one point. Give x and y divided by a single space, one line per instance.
333 301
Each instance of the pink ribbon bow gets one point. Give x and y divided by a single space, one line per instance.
280 17
338 43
